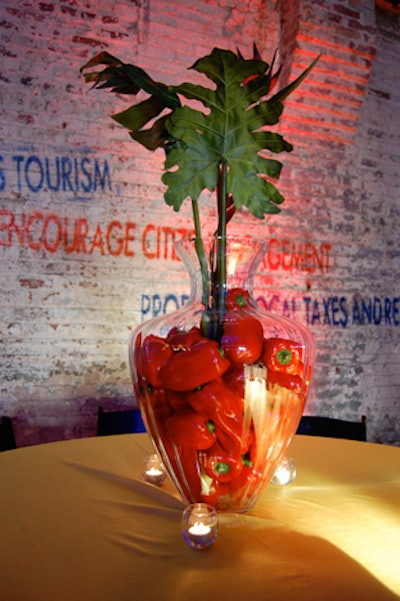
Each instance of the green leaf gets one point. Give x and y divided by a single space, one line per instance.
229 131
129 79
136 116
233 130
103 58
147 84
284 93
263 197
196 171
153 137
226 68
273 142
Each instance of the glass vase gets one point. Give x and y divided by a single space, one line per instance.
221 385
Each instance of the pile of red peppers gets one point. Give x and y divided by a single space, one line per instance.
192 391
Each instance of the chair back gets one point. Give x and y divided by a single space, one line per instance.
126 421
7 438
313 425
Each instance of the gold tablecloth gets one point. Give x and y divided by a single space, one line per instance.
77 523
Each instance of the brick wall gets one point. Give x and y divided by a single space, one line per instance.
84 232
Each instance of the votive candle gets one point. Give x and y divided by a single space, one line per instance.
154 471
200 525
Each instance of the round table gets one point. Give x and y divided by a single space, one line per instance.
78 523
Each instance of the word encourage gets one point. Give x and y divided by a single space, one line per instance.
49 232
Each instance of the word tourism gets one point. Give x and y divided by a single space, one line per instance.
78 175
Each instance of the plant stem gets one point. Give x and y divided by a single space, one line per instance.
213 319
219 275
213 316
214 307
201 254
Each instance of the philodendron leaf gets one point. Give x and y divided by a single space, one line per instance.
232 129
124 78
137 115
284 93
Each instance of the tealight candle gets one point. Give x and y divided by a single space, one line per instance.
154 471
200 525
285 473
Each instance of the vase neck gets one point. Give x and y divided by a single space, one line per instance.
241 259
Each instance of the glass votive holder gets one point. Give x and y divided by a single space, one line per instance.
200 525
154 470
285 473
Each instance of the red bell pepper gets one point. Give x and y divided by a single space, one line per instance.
292 382
182 341
216 402
177 400
243 484
220 464
187 428
235 380
242 340
156 409
283 355
150 357
217 491
185 466
249 446
191 481
237 298
199 364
